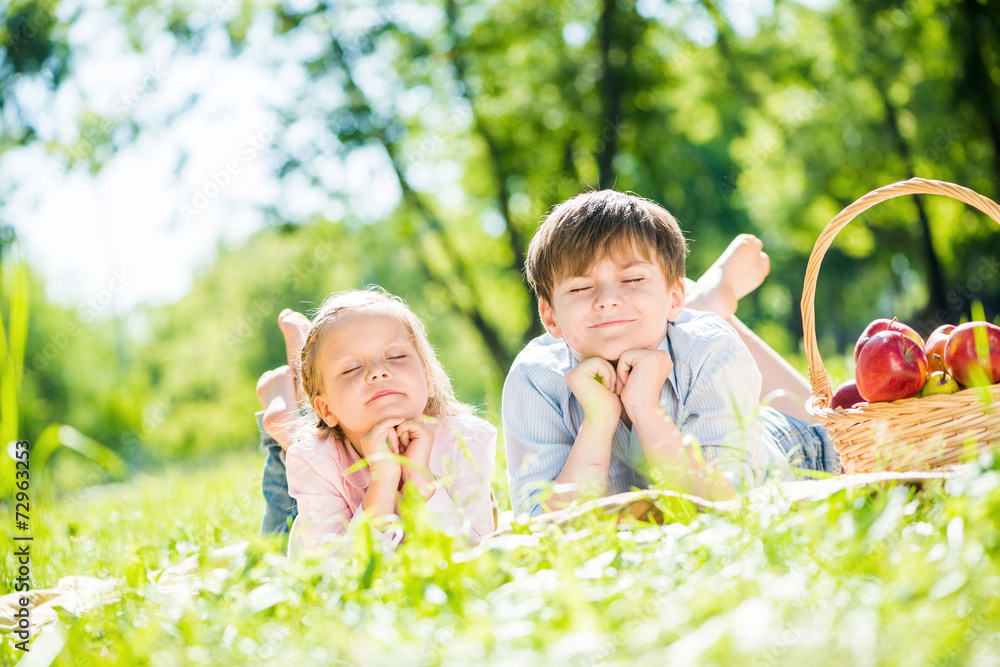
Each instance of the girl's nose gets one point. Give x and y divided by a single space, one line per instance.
378 373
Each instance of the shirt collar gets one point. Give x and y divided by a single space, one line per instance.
361 477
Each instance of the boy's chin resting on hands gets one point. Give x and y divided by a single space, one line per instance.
641 374
594 382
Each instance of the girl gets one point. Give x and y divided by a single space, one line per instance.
375 392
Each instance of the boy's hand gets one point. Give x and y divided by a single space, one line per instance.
641 374
416 438
377 444
595 385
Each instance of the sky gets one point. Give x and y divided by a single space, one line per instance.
143 225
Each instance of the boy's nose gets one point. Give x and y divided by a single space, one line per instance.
607 297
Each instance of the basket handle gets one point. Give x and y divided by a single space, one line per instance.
822 393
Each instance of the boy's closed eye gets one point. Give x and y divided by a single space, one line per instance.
579 289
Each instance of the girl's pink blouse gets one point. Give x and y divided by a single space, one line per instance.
329 501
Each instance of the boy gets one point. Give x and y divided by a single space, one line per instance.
626 380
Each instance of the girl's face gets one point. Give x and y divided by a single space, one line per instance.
371 371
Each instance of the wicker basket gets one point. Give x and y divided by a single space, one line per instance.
912 433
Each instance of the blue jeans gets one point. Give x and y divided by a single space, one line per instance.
279 507
805 445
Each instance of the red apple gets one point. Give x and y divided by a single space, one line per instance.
883 324
962 357
891 366
846 396
935 346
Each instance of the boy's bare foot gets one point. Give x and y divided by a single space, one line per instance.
276 393
738 271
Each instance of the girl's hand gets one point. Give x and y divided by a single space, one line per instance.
378 444
416 438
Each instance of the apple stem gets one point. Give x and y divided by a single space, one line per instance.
944 377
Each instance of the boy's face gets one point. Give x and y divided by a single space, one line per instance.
619 304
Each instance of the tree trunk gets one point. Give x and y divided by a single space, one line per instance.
516 240
935 277
611 90
979 84
470 308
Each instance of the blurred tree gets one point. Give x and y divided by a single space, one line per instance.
442 132
33 49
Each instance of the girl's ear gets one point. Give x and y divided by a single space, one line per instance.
676 299
548 315
323 410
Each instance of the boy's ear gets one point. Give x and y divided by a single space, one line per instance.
324 412
548 316
676 299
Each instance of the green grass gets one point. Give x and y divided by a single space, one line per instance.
895 577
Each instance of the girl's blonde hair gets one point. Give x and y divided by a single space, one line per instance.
376 300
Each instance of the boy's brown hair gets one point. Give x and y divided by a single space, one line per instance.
600 224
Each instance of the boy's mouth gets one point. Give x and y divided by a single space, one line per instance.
608 324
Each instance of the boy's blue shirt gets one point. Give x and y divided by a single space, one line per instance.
712 394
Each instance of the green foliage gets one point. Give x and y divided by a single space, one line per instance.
474 119
897 576
79 371
12 343
14 298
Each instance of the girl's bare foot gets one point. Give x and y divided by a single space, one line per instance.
294 327
738 271
276 392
